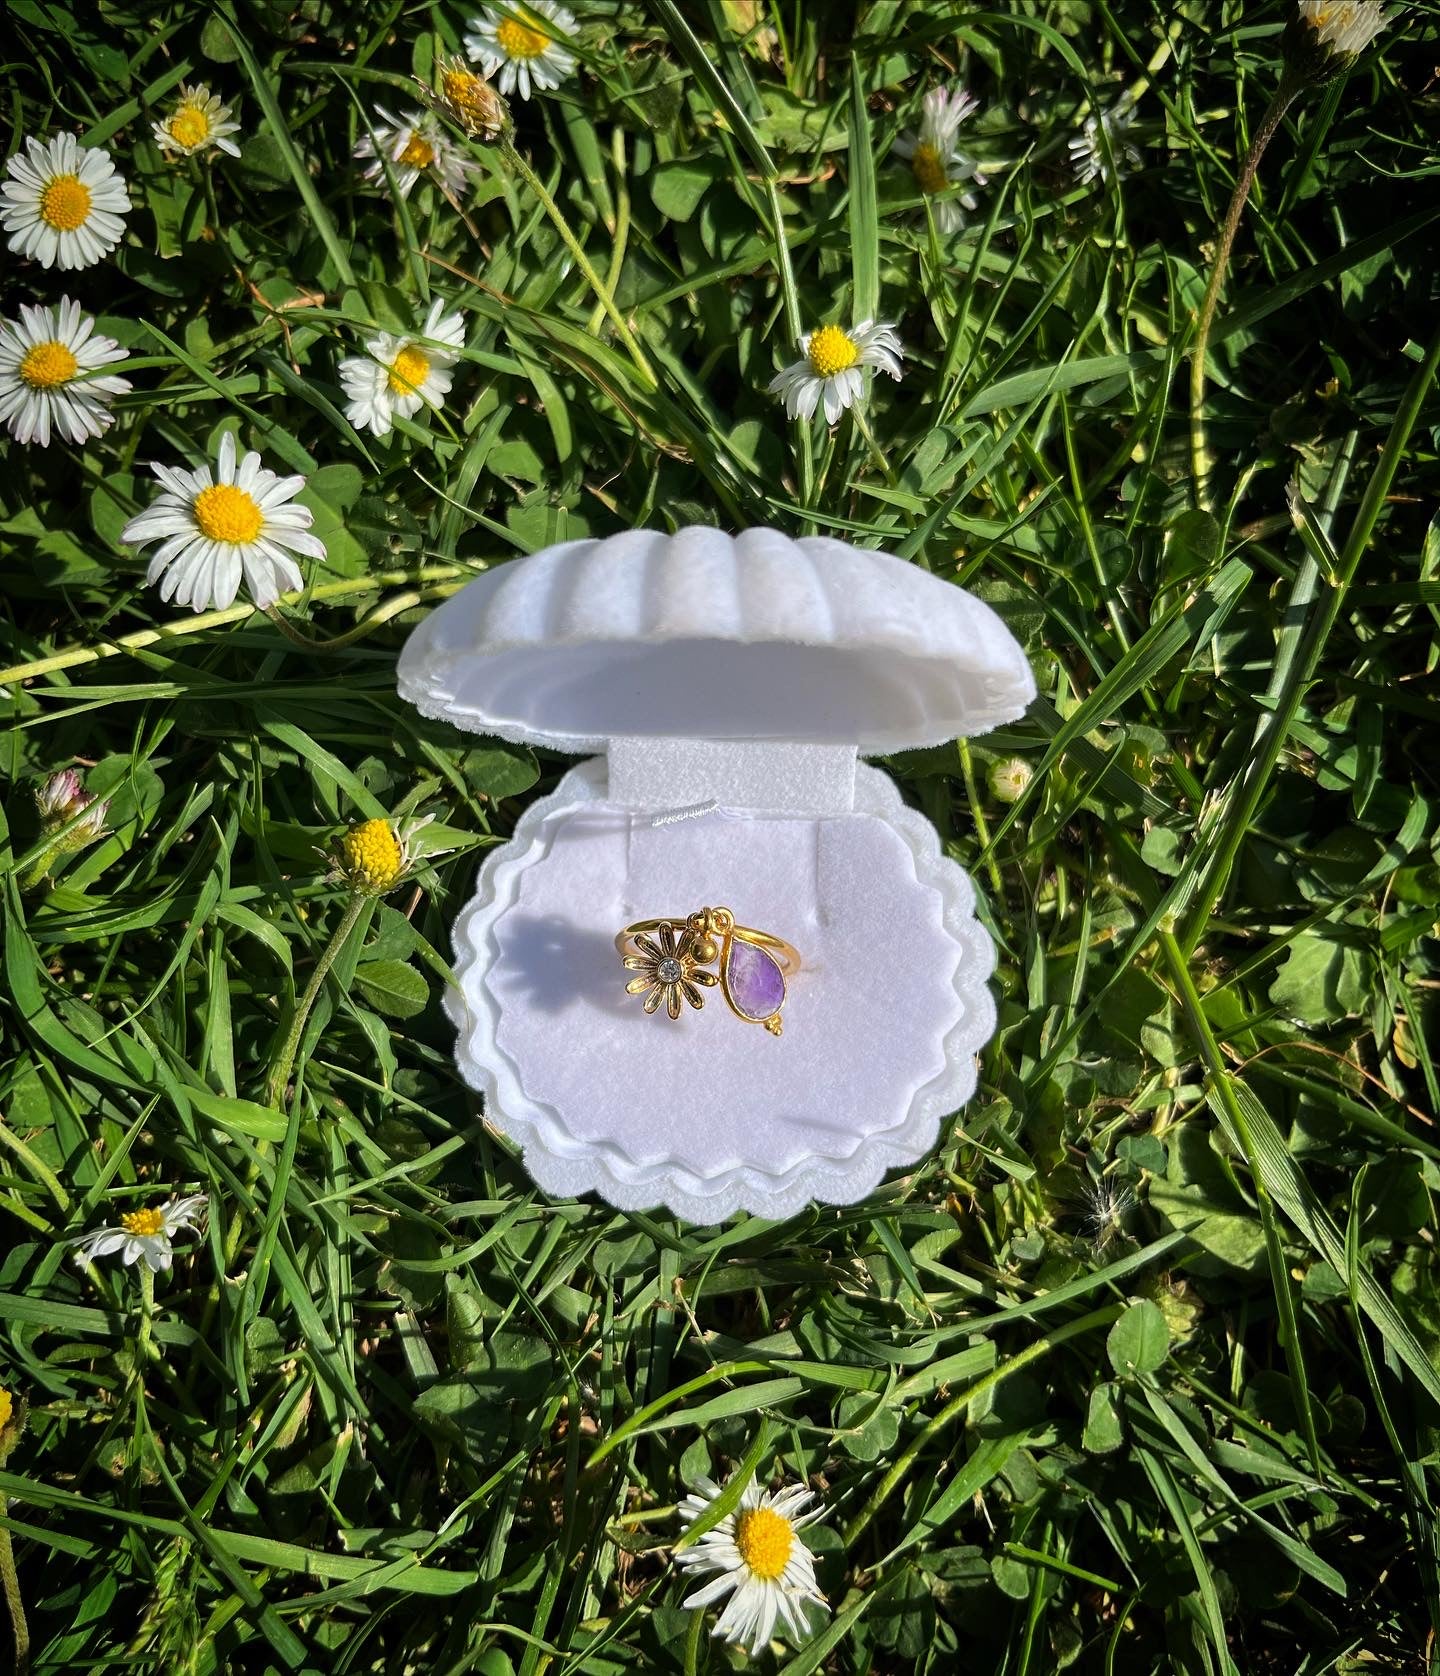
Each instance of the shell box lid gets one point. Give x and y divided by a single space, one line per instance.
703 635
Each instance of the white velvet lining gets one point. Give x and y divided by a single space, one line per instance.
865 1021
554 974
666 776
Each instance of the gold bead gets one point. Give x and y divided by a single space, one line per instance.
706 950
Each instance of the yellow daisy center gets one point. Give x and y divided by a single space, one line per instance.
417 153
372 855
65 203
7 1407
189 126
520 40
765 1540
48 364
145 1222
408 371
831 351
929 170
225 513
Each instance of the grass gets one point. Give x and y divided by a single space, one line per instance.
1140 1370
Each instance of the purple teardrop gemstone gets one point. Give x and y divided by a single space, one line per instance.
753 981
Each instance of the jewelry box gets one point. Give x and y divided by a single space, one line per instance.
723 689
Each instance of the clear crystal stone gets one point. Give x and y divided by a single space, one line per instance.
670 971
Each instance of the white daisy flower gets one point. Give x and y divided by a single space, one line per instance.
213 530
1324 37
1345 27
521 40
402 374
832 366
415 144
936 159
762 1565
198 122
143 1233
1103 148
49 359
63 203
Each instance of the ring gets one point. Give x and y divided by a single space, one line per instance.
671 965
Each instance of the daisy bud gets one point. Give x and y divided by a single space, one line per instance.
1009 779
375 857
1325 37
470 102
92 826
60 797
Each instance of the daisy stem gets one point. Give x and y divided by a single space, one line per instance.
73 655
977 814
380 615
620 232
10 1582
693 1641
601 290
285 1060
1284 95
860 425
144 1350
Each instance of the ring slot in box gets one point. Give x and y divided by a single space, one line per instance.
731 685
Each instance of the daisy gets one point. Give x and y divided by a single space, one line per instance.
1324 36
414 144
936 159
143 1233
832 365
63 203
198 122
215 529
468 101
1008 779
1103 147
48 359
377 855
60 799
522 42
402 375
767 1572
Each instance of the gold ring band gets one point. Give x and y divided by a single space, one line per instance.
671 957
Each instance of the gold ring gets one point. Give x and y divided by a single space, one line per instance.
671 965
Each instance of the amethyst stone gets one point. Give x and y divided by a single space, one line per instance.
753 981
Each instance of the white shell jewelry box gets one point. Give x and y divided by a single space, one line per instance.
729 685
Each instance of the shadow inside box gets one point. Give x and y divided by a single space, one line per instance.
550 963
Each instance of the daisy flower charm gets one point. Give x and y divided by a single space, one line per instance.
668 968
198 123
936 159
832 368
49 361
414 145
214 529
402 374
522 42
63 203
760 1562
143 1233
